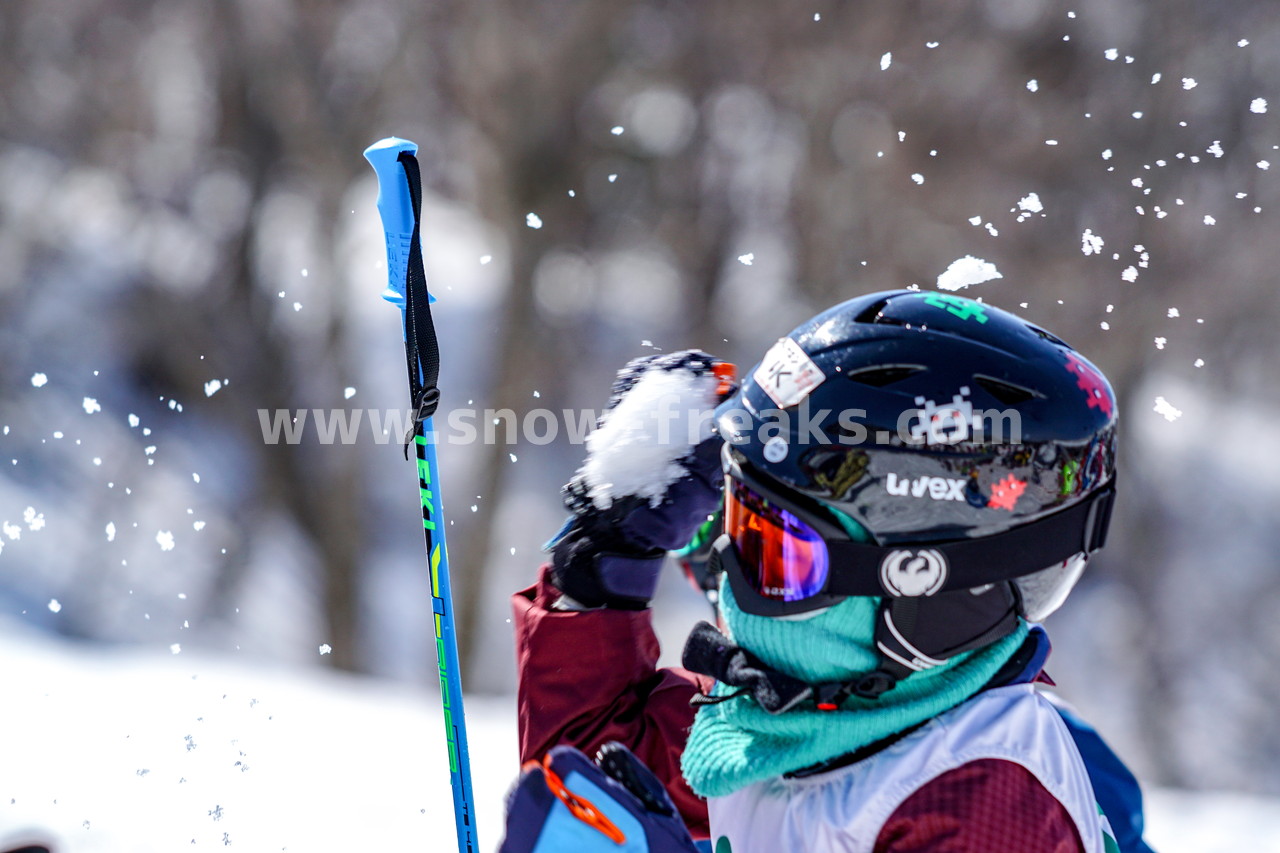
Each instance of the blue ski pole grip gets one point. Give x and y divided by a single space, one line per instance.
396 210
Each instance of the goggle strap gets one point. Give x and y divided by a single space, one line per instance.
990 559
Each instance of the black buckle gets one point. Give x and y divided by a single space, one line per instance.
428 402
869 685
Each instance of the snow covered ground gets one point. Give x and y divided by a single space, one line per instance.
154 753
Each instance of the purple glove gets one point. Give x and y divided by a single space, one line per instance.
651 478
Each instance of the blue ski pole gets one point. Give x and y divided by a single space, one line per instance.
400 205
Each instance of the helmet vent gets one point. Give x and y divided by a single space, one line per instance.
1053 339
884 374
871 314
1005 392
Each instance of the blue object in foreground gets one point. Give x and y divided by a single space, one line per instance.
615 804
400 204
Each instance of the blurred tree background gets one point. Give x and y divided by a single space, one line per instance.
187 236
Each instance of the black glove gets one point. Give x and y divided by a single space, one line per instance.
651 477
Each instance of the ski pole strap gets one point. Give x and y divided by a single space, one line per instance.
422 350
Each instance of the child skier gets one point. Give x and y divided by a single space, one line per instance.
910 482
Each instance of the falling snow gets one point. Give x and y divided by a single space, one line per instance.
39 380
165 540
966 271
34 520
746 259
1165 409
885 61
1090 243
1030 203
533 220
91 406
1258 105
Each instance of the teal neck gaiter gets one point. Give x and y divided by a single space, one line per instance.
737 743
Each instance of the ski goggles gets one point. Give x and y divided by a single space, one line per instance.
776 557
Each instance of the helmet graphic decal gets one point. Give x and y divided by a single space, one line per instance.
1005 493
787 374
1091 383
945 424
913 573
965 309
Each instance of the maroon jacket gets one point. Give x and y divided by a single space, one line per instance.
591 677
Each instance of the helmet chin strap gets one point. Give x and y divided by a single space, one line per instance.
912 635
917 633
709 652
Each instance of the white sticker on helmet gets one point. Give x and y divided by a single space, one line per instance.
787 374
775 449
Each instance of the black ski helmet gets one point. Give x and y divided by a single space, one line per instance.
938 436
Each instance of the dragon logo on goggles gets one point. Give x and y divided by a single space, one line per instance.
913 573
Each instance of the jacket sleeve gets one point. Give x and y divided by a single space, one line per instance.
981 806
589 677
